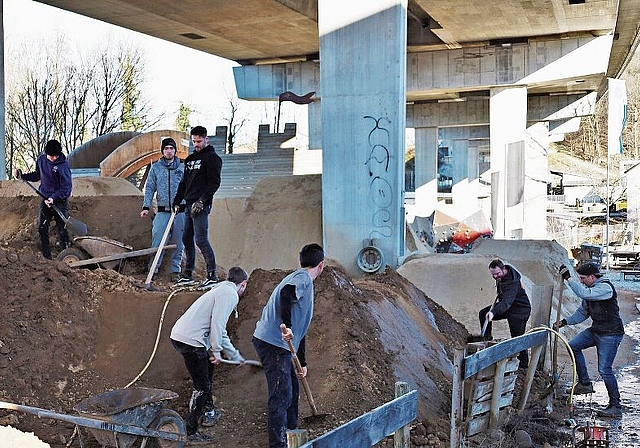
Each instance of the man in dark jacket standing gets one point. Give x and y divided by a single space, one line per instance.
54 175
599 301
511 303
200 182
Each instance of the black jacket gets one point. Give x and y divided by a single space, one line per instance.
512 298
201 177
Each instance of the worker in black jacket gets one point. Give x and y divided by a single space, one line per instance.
200 182
511 303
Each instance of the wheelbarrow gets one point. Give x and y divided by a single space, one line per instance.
120 417
104 252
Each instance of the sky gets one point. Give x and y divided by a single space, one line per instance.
174 73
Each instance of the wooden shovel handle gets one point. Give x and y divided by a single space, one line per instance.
298 366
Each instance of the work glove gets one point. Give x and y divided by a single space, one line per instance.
176 209
197 207
564 272
559 324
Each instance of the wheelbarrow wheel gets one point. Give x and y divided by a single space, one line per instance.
169 421
71 255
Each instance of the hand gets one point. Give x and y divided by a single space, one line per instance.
17 174
287 335
489 316
176 209
197 207
215 357
144 213
303 373
49 202
564 272
238 358
559 324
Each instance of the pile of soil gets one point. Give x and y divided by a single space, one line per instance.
69 334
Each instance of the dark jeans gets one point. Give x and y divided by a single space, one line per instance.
196 230
44 219
201 370
517 325
283 390
607 349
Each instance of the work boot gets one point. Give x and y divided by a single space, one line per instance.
209 418
612 411
583 389
199 438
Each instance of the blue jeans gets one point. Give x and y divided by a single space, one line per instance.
196 230
160 222
607 348
283 390
196 359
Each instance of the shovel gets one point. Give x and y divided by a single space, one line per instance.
73 224
476 338
163 241
305 384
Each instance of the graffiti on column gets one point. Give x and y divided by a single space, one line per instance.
380 189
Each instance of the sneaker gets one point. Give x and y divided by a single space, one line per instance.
185 280
610 411
199 439
174 277
209 418
209 282
583 389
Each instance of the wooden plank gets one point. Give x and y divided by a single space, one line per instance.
297 437
401 437
505 349
489 372
494 413
484 389
528 381
372 427
480 408
456 399
133 253
478 424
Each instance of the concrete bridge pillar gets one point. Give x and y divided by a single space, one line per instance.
507 127
363 127
426 170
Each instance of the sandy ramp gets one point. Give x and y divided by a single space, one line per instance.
462 285
268 229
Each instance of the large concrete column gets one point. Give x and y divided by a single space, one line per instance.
426 170
3 146
363 126
536 177
508 124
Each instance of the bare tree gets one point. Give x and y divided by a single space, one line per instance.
52 97
234 123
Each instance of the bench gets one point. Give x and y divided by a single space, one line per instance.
633 274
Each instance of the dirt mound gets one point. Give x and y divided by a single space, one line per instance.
72 333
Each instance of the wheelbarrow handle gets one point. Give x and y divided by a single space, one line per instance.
298 366
94 423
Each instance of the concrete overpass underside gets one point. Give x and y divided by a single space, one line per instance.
515 70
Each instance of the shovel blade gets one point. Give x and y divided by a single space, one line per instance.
76 226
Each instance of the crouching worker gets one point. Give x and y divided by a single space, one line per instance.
599 302
200 336
512 303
